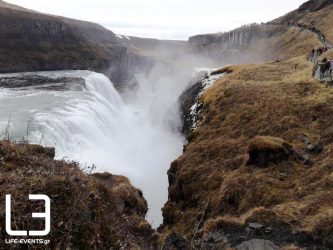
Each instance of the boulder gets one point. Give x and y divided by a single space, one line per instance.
175 241
256 226
314 148
257 244
306 160
264 150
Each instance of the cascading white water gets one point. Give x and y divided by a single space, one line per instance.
95 126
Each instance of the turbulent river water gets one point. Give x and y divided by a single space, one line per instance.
93 124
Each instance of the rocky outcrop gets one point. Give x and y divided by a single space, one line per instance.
190 100
258 245
187 100
40 82
88 211
253 43
234 39
265 150
229 45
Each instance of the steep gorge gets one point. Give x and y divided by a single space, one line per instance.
218 198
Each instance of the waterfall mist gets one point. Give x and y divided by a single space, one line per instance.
136 136
135 133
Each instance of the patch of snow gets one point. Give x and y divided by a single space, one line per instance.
195 110
123 37
202 71
206 83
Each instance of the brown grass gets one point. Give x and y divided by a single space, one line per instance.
95 211
278 99
321 19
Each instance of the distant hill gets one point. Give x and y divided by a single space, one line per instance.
33 41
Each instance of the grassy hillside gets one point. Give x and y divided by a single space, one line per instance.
315 13
259 165
213 187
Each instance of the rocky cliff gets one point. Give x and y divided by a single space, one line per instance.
254 43
234 39
32 41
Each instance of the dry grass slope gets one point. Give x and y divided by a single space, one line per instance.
322 19
279 99
95 211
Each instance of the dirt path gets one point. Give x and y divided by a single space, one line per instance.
313 57
321 36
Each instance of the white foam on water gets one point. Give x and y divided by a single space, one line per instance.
96 126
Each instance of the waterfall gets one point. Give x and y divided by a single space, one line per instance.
134 138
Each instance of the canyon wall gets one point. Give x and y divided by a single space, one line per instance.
253 43
32 41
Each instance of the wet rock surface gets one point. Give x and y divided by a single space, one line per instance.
41 82
187 100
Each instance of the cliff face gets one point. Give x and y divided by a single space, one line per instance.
31 41
254 43
88 211
233 39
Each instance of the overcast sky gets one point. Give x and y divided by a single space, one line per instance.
167 19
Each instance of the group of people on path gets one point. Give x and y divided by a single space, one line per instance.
308 27
323 69
315 53
326 69
319 51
